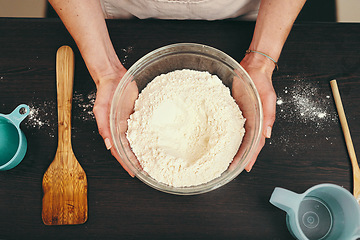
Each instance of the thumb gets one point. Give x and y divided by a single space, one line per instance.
269 111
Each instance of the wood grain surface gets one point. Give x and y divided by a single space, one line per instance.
307 146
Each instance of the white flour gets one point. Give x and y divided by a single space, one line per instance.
186 128
303 102
304 110
43 114
86 104
124 54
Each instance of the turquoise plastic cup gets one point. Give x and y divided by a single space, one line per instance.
325 211
13 144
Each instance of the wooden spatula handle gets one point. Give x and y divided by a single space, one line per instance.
344 124
64 82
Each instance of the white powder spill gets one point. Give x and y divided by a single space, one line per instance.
279 102
321 115
302 102
125 54
86 104
303 112
43 114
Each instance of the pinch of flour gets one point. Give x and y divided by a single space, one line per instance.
303 103
126 52
44 114
86 104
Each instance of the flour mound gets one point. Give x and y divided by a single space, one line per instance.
186 128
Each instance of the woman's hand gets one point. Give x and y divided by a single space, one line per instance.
260 70
273 25
85 21
106 87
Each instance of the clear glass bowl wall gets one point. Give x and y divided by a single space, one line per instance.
196 57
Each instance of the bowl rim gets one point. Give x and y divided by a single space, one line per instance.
143 61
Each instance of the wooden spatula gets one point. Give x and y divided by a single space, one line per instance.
348 140
64 183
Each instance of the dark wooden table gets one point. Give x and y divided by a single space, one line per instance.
306 148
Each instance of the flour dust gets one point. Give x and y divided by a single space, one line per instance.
43 114
303 111
124 54
85 103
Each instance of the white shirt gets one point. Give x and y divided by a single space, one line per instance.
181 9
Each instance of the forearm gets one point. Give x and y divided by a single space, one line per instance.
274 22
85 22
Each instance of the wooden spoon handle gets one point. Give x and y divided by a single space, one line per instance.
65 81
344 125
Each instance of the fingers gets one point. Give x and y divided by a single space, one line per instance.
269 111
268 101
131 93
104 130
108 143
102 114
263 83
254 157
117 156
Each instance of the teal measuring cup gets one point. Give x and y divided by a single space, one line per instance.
325 211
13 144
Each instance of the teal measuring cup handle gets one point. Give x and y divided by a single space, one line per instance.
285 200
17 116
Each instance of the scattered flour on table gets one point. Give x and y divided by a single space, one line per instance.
303 102
85 104
308 111
124 54
43 114
186 128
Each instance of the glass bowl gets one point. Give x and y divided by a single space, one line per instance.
196 57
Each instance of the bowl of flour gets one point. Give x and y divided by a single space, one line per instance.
186 119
